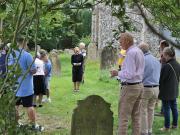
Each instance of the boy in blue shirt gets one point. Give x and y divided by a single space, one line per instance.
25 91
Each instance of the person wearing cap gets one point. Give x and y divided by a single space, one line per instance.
131 75
151 89
77 68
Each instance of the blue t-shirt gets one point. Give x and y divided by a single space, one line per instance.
25 61
2 63
48 68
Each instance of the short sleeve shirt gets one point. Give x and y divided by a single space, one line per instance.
25 61
40 67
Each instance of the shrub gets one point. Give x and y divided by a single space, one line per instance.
86 40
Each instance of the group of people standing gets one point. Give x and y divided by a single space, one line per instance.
36 81
144 79
41 79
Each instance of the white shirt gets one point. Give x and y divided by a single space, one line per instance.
40 67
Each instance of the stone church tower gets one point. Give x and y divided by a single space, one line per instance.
103 24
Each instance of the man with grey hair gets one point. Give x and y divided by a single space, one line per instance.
131 76
151 89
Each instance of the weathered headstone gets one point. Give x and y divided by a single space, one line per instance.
109 57
69 51
56 65
92 52
92 117
38 48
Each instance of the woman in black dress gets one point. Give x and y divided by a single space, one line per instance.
77 68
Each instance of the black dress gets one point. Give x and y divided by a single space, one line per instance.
77 70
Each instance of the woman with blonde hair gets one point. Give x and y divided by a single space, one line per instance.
77 68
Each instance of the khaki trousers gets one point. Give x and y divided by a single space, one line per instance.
129 106
149 98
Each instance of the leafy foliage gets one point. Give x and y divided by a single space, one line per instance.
65 22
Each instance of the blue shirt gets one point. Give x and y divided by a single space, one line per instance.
48 68
25 61
2 63
152 70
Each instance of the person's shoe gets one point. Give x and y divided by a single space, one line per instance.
40 105
164 129
74 90
49 100
173 127
37 127
149 133
44 100
77 90
34 105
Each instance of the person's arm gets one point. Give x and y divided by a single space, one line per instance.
47 69
29 63
72 60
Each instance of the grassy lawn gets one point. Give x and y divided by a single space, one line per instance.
56 116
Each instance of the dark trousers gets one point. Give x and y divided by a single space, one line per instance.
162 110
167 106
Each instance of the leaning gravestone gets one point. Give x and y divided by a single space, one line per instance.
56 65
109 57
92 117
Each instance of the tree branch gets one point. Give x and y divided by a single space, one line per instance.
50 6
152 28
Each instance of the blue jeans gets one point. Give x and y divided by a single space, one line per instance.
167 105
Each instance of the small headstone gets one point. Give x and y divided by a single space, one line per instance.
60 51
92 117
109 57
56 65
92 52
38 48
69 51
